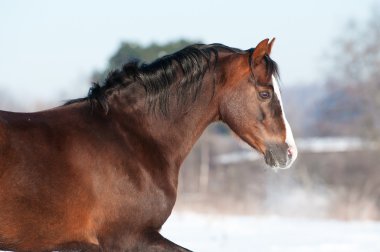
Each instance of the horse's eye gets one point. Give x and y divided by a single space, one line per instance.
265 95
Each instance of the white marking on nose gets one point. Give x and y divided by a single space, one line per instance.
289 134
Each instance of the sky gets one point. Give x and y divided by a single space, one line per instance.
48 49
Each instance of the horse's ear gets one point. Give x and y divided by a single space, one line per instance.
270 45
260 50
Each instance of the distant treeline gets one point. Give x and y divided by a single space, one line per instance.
129 51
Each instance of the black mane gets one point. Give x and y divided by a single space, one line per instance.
186 67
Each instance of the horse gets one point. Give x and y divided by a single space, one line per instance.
100 173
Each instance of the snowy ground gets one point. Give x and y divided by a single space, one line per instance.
270 234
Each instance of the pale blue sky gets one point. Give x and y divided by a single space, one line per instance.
49 48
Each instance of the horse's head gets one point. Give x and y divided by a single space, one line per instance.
251 105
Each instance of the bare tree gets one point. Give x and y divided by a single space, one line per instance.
354 81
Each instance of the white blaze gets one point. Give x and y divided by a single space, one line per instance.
289 135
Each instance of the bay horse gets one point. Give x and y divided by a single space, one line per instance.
100 173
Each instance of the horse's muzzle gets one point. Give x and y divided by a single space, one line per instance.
280 156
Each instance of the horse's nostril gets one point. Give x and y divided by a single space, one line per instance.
290 153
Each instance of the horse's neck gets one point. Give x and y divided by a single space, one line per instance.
180 132
177 131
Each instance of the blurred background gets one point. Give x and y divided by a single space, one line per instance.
329 58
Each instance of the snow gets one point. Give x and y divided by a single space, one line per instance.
237 157
332 144
199 232
210 233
